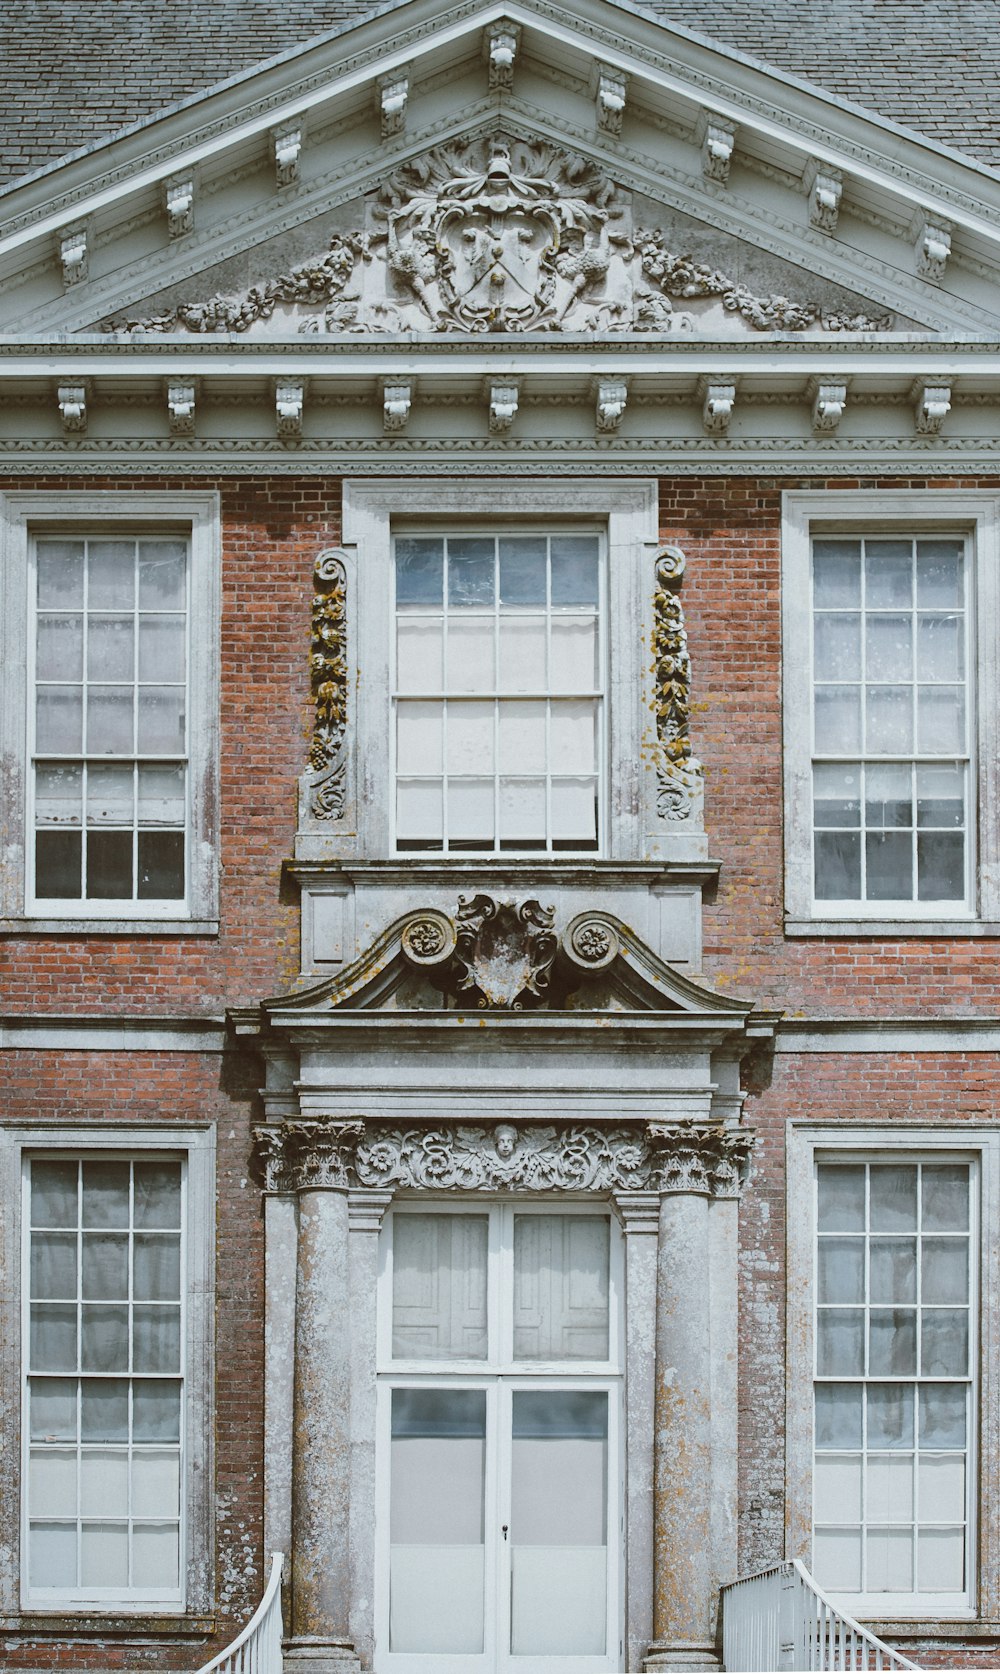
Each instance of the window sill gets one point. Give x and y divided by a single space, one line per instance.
892 929
109 926
88 1620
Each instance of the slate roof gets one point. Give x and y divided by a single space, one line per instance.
74 72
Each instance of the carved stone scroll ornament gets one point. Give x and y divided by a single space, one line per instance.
328 668
500 235
497 955
679 774
452 1156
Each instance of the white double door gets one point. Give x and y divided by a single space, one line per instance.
503 1526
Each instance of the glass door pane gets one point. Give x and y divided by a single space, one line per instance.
436 1520
561 1287
559 1523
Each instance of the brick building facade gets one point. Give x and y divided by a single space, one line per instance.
500 695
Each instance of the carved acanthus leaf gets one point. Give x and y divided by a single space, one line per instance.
328 668
679 774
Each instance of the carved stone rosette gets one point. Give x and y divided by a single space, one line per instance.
451 1156
679 774
328 669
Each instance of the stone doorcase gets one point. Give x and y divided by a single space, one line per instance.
533 1064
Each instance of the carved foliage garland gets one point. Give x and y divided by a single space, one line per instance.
328 669
664 1157
679 774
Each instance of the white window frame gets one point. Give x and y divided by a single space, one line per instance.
30 514
626 513
976 517
195 1148
500 1377
809 1143
475 527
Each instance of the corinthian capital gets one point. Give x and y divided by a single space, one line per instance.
690 1157
308 1155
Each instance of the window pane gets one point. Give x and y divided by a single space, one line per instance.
110 792
59 720
104 1338
837 573
944 1196
558 1527
941 648
436 1521
838 719
104 1555
574 570
470 737
892 1342
52 1555
889 1560
944 1342
889 865
161 796
470 810
59 796
839 1414
941 796
837 866
419 571
60 575
837 1487
889 648
156 1338
893 1192
60 648
110 648
156 1556
941 866
471 566
157 1193
470 654
941 1559
53 1409
156 1411
841 1197
574 736
561 1287
419 655
439 1286
939 573
942 1487
522 570
888 574
893 1270
109 720
53 1265
59 865
104 1409
52 1483
105 1266
573 654
104 1484
53 1337
841 1270
837 1559
111 575
522 654
109 865
418 737
522 811
940 719
156 1485
837 647
889 719
161 866
944 1266
419 810
890 1488
890 1415
157 1275
840 1342
162 575
105 1194
522 737
162 647
161 719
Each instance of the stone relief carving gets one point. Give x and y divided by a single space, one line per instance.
496 955
500 235
452 1156
679 774
328 670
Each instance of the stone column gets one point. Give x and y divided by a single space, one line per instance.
321 1473
640 1214
694 1472
366 1209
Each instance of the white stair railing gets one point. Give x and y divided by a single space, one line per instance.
257 1650
780 1620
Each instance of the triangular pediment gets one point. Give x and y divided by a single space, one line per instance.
653 183
499 955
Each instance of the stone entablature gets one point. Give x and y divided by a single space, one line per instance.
311 1155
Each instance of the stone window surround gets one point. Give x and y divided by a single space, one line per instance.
977 514
967 1141
22 514
628 512
196 1146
